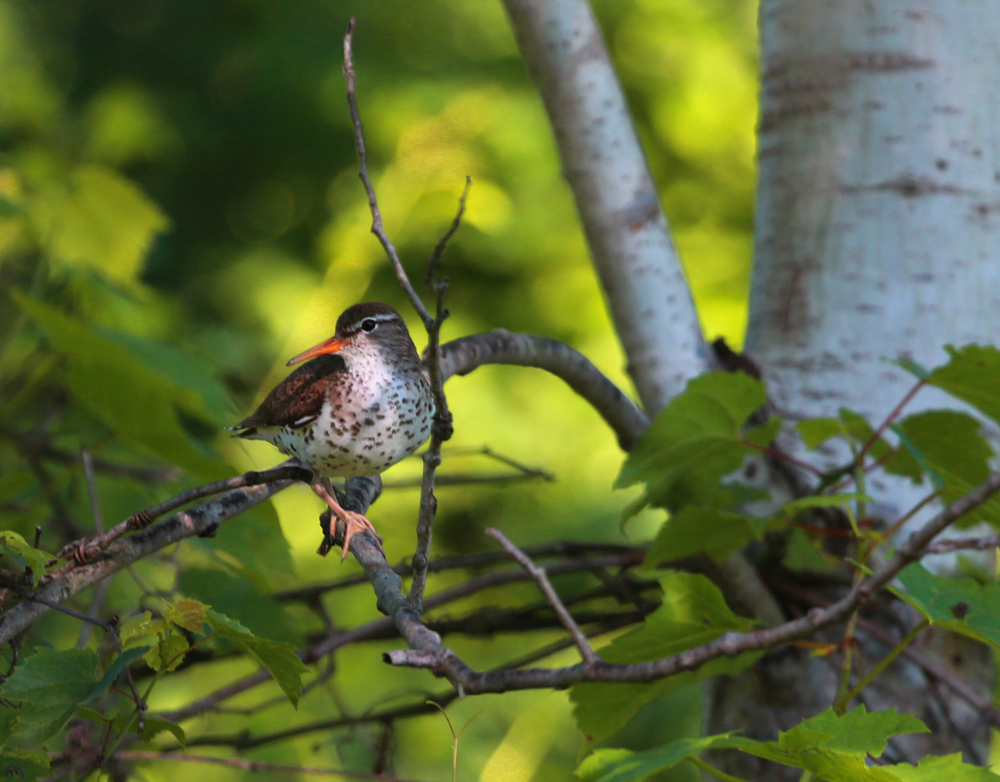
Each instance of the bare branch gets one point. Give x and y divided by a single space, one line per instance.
359 146
443 662
83 550
201 520
964 544
461 356
538 574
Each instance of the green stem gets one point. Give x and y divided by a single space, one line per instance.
709 769
886 661
843 687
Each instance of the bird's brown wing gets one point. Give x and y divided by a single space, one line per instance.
298 400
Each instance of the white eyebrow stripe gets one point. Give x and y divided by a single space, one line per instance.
377 318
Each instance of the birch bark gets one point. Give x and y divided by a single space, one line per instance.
878 220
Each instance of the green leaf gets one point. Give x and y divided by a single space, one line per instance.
155 725
119 665
257 546
815 431
950 447
616 765
693 612
958 604
54 683
102 221
857 732
943 768
139 627
187 613
132 398
897 461
36 559
973 375
695 530
168 653
278 658
695 441
24 764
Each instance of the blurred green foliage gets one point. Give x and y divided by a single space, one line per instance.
179 213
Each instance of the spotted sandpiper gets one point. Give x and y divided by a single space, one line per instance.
359 404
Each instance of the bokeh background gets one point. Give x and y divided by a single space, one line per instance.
180 206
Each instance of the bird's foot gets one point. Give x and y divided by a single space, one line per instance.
353 522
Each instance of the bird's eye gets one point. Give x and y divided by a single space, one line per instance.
368 324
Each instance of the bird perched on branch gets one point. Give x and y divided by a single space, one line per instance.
359 404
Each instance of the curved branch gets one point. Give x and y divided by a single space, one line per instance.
604 163
461 356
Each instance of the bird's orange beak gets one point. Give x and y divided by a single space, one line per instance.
331 345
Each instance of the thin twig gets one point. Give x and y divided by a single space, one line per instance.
889 419
441 429
95 509
426 650
886 661
590 658
359 146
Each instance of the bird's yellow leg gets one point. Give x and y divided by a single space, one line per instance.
354 522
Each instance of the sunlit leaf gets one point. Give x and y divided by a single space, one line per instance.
139 627
972 374
101 220
168 653
616 765
278 658
188 613
12 543
134 400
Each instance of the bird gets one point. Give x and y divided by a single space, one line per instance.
359 403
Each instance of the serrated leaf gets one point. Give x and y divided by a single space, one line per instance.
278 658
949 446
139 627
942 768
615 765
858 732
973 375
119 665
54 683
958 604
155 725
693 612
131 397
102 221
168 653
34 558
694 530
695 441
188 613
815 431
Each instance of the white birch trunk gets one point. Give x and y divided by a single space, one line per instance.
878 235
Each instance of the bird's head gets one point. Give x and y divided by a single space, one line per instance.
365 328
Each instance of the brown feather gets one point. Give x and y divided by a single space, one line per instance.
300 396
